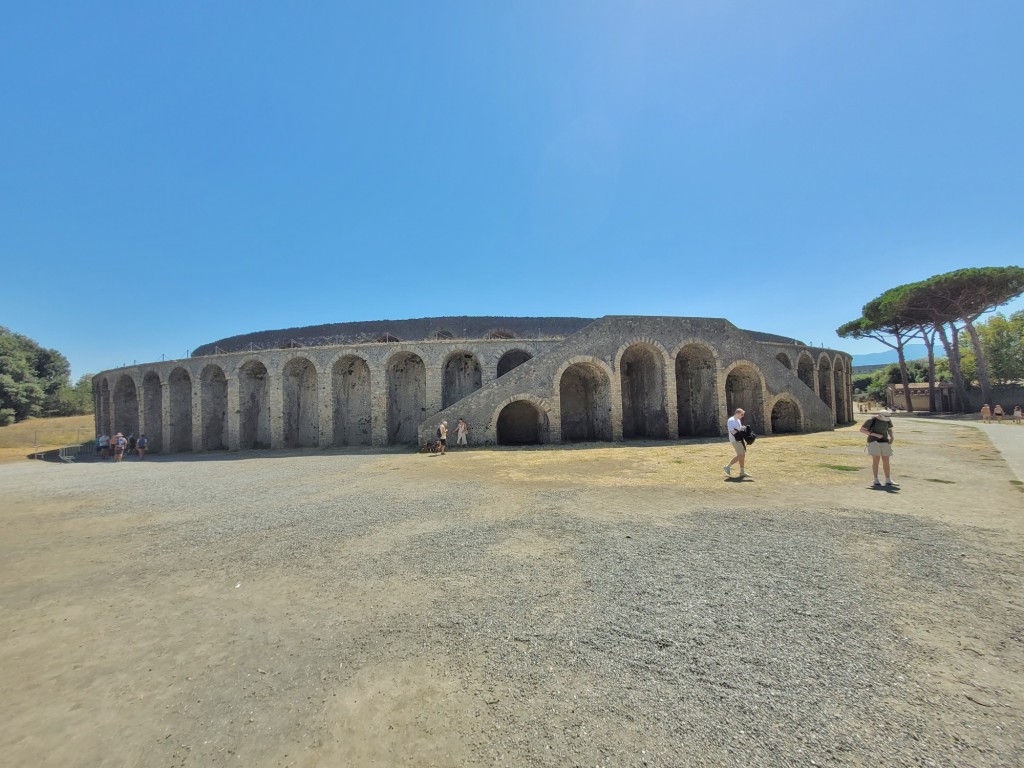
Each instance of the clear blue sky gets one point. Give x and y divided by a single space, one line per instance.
174 173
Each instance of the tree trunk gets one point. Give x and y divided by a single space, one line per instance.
929 341
904 376
953 355
979 356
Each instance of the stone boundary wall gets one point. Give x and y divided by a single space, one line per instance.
616 378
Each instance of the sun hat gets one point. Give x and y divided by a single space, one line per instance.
884 415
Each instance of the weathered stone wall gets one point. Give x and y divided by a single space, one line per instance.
617 378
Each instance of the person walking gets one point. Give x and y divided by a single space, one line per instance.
141 446
879 431
734 426
442 437
119 445
461 432
986 413
1016 414
998 413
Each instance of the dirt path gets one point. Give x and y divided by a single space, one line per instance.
588 606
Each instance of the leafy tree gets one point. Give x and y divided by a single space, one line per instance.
34 381
1002 341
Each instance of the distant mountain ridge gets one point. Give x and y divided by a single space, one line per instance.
910 352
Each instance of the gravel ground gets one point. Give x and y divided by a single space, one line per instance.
346 609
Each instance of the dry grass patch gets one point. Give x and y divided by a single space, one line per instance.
19 440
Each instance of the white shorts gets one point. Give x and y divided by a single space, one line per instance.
879 449
739 446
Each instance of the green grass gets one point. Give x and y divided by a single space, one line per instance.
841 467
1017 482
937 480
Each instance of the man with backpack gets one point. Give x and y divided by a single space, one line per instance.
736 432
442 437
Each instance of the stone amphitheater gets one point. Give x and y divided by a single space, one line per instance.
517 381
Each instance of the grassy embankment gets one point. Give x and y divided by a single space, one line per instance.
17 441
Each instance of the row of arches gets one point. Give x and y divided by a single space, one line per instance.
657 396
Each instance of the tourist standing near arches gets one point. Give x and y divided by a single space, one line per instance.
141 446
879 431
461 432
442 437
734 425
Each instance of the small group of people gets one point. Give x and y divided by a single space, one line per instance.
878 429
118 445
987 414
461 435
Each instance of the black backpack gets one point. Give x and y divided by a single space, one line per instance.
439 432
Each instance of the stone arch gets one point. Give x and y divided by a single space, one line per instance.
461 376
126 406
350 380
522 420
842 408
301 404
499 333
513 358
103 407
213 388
179 390
407 397
641 367
826 382
786 416
697 391
153 410
253 405
783 358
744 388
805 369
584 391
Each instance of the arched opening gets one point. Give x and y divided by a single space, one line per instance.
522 423
462 376
825 384
254 406
214 398
407 397
585 399
301 404
783 358
179 386
103 407
642 378
696 392
512 359
126 407
785 417
153 410
350 379
805 370
842 414
743 390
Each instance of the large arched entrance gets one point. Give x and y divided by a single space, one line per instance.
126 407
743 390
214 398
153 410
785 417
462 376
179 386
350 379
696 392
522 423
407 397
642 376
254 406
585 399
301 404
512 359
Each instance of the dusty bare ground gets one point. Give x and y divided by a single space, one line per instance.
584 606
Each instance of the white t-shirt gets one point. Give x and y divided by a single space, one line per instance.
732 425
